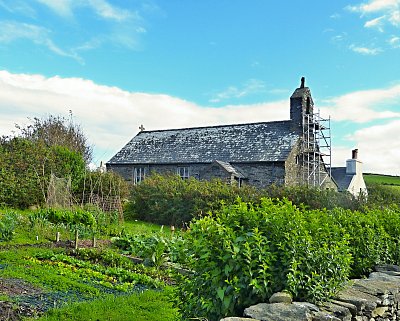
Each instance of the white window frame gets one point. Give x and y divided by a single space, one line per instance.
183 172
139 174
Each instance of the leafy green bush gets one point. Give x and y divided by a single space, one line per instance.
382 196
8 222
27 166
244 253
367 238
74 217
155 249
170 200
167 199
315 198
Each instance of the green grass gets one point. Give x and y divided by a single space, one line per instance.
91 284
138 227
43 232
63 279
146 306
381 179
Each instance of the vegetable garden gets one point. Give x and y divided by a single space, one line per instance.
230 247
234 256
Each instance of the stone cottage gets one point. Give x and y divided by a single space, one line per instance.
279 152
350 178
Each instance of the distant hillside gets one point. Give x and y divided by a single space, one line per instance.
381 179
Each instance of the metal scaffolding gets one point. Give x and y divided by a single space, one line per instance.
316 156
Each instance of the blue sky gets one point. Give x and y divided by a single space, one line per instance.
170 64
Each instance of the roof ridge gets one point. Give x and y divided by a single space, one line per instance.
214 126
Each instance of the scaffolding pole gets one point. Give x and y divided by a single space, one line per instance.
315 150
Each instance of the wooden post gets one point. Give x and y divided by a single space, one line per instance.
94 240
76 239
58 237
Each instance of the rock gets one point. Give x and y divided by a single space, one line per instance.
379 312
386 267
238 319
323 316
339 311
352 308
363 301
310 306
280 297
278 312
375 287
393 273
385 277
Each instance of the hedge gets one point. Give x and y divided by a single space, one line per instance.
243 253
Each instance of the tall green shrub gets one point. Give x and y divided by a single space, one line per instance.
27 166
8 222
368 240
244 253
167 199
170 200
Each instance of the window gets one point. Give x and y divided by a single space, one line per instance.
183 172
139 173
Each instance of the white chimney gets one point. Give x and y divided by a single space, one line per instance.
353 165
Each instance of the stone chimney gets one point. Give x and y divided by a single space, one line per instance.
300 103
353 165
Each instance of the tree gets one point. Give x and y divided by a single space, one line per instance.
58 131
52 145
22 177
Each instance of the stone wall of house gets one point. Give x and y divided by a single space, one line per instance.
215 171
295 171
263 174
374 299
258 174
126 171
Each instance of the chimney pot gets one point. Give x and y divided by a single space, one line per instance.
354 153
302 82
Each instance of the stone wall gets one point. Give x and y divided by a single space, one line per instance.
295 172
263 174
259 174
374 299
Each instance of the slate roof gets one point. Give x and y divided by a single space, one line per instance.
231 169
256 142
342 179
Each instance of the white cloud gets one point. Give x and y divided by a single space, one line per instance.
395 18
379 147
12 31
374 6
250 87
102 8
339 38
18 6
111 116
389 8
394 42
121 27
61 7
364 106
116 25
108 11
365 50
375 23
